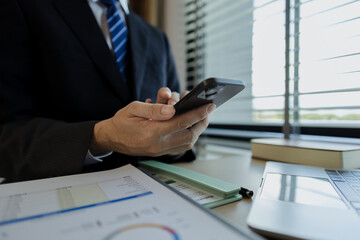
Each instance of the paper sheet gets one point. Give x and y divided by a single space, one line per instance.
123 203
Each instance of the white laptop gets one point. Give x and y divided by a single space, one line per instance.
303 202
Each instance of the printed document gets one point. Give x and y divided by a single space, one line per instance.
123 203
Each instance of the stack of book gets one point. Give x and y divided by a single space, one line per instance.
315 153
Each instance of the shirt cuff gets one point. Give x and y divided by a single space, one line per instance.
91 159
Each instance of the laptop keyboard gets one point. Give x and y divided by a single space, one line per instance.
348 183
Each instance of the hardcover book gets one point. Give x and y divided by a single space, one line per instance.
315 153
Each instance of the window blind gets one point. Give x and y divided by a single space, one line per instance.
246 40
328 66
234 42
194 16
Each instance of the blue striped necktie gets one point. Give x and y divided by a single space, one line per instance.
118 32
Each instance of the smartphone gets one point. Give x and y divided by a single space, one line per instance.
211 90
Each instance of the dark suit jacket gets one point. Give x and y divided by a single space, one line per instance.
58 77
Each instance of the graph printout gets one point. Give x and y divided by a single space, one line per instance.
123 203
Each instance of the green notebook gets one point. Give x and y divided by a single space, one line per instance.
206 190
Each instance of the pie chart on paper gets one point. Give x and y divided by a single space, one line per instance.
143 231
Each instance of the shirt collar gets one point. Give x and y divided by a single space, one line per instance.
123 3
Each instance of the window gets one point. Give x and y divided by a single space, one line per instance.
300 60
329 63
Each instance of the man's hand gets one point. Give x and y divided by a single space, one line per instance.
145 129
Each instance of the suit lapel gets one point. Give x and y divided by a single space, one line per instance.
79 17
138 47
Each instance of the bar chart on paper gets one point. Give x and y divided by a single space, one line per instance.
32 205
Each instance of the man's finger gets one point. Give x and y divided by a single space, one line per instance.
188 119
199 127
187 136
184 93
175 97
151 111
163 95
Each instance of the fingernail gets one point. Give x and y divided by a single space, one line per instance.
211 108
172 102
167 110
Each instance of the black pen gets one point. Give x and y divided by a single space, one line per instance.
246 192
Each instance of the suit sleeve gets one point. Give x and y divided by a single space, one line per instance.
31 146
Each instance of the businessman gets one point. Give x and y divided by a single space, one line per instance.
86 85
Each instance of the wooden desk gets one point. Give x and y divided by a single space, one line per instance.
233 165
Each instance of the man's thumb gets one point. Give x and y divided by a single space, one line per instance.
152 111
